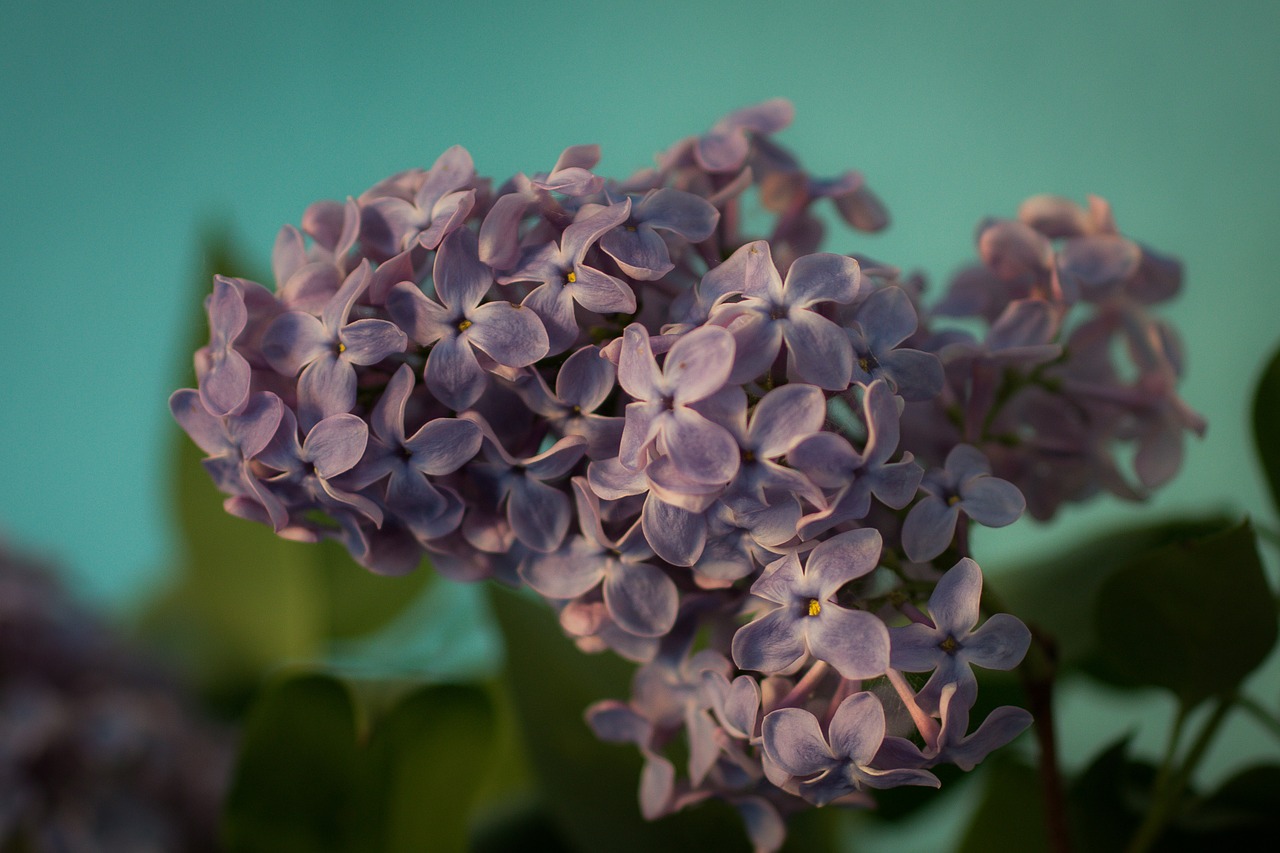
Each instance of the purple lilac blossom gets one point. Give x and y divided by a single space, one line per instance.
459 325
327 350
683 480
773 312
950 646
808 620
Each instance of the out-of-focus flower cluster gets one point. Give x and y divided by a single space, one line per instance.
98 749
746 465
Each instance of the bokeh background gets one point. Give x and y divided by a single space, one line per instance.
129 132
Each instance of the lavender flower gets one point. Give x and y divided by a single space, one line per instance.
460 326
809 620
826 768
950 646
326 351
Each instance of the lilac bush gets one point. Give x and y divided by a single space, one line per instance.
756 472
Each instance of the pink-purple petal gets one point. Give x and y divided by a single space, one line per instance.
326 387
293 340
641 598
443 445
840 559
698 365
818 351
599 292
822 277
453 375
773 644
955 600
928 528
509 334
793 739
1001 643
370 341
855 642
335 444
857 728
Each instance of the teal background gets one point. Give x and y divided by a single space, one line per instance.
126 129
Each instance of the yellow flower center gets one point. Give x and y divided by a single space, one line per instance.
464 325
571 277
341 348
815 607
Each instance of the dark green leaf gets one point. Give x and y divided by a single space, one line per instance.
424 766
1195 616
1266 424
298 760
1108 799
1011 815
307 780
1057 596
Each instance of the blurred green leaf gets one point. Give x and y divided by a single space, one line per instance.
424 766
1058 595
357 601
1011 815
308 781
590 788
1107 800
1194 616
1266 424
298 760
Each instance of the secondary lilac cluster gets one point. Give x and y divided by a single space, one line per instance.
746 465
99 750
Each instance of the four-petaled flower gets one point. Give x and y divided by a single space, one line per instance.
808 620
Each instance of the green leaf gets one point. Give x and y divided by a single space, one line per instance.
357 601
1266 424
1194 617
308 781
426 762
1057 595
298 758
590 788
1011 815
1105 800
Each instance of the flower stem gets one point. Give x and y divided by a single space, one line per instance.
1167 796
1037 672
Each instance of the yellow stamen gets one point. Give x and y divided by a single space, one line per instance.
464 325
949 645
815 607
571 277
953 500
342 347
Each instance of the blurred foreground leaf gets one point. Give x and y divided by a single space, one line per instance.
1266 424
1195 616
308 781
1011 815
1058 595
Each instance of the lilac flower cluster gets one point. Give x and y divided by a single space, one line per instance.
746 465
99 750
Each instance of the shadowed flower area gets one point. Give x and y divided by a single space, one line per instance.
99 749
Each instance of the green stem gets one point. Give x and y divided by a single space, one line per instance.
1165 800
1038 672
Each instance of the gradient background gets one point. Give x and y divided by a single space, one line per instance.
125 129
